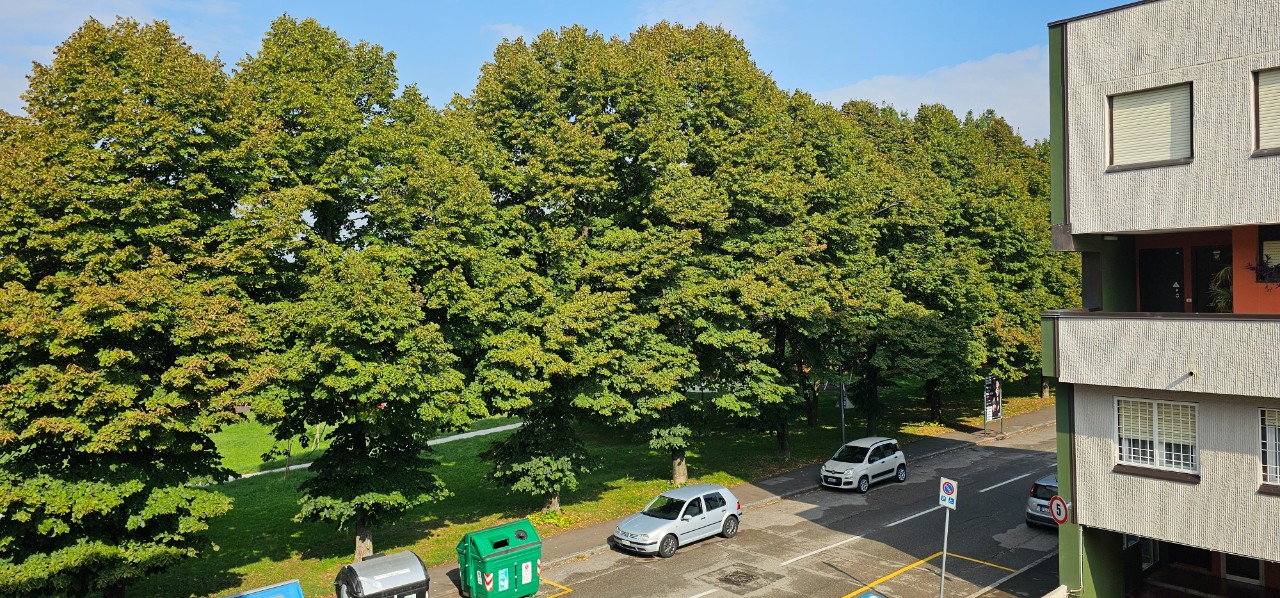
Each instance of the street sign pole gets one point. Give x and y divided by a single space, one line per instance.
948 490
946 530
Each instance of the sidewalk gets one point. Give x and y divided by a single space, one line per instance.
580 543
431 442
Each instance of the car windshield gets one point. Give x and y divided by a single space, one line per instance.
851 454
664 507
1043 492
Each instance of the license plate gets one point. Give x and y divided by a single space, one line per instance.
1043 509
831 480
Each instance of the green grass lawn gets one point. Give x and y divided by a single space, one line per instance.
259 544
242 445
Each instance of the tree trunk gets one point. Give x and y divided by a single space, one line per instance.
364 541
933 397
784 439
679 469
553 502
872 394
811 404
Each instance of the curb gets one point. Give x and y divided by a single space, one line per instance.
809 488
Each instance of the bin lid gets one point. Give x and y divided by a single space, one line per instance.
374 574
504 538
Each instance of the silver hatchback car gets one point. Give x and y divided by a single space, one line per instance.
1042 491
678 517
860 463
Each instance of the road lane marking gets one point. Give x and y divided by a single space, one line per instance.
877 582
905 519
809 554
1012 575
1005 482
566 590
960 556
872 585
711 591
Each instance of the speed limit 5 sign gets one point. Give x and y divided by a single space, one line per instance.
1058 510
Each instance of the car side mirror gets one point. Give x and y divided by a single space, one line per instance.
686 518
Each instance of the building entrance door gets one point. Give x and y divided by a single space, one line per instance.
1160 282
1206 284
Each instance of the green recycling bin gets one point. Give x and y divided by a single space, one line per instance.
501 561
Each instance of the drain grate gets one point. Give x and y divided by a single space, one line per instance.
739 578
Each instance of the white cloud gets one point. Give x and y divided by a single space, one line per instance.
1015 85
510 31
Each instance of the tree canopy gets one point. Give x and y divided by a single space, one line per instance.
645 233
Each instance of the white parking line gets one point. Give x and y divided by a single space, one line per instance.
711 591
1005 482
1010 576
905 519
809 554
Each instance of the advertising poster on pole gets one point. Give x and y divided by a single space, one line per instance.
993 399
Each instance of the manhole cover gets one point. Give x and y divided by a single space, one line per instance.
739 578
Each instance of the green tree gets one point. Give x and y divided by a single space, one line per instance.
361 356
351 237
575 340
121 343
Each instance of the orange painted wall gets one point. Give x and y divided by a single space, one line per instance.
1250 296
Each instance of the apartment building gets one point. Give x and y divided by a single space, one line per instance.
1165 139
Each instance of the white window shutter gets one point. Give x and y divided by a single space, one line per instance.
1151 126
1269 109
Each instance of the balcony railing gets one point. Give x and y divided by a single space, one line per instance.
1228 354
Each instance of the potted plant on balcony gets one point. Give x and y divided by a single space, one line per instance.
1268 271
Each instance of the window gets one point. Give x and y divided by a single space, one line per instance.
1268 268
1157 434
1152 127
714 501
1271 446
695 508
1267 100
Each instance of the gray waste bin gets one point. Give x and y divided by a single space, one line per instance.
399 575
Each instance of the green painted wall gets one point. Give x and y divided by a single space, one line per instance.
1119 274
1057 128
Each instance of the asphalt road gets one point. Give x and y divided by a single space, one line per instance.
841 544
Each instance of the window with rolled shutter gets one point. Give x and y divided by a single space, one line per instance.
1152 126
1135 428
1176 429
1268 101
1156 433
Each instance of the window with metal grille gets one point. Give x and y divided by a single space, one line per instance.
1271 446
1267 87
1159 434
1151 127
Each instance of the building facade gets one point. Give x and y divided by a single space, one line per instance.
1165 139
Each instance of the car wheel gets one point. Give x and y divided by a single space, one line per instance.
1031 524
864 484
730 528
667 546
901 474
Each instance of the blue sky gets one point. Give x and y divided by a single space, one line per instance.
969 55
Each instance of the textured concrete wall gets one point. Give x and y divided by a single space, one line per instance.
1229 357
1223 512
1214 45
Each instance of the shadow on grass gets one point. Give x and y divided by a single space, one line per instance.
260 544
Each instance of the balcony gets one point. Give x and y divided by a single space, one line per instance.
1225 354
